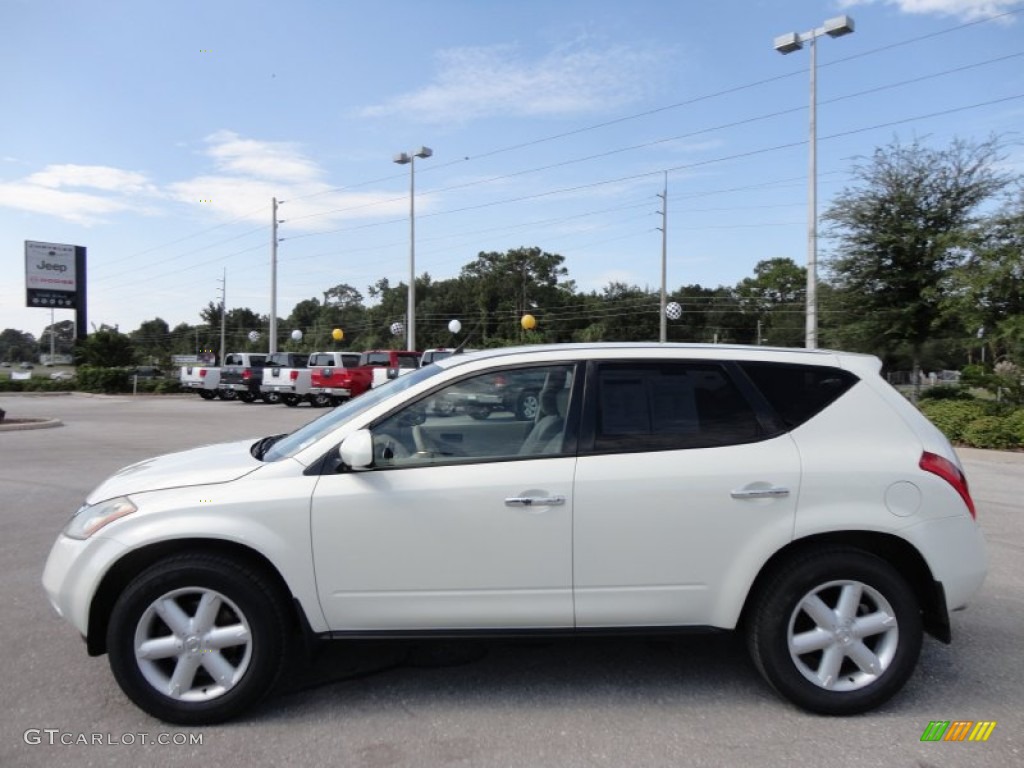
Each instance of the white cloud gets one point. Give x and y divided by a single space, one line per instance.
45 192
499 80
278 160
79 207
91 176
967 10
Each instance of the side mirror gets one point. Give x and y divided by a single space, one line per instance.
392 373
356 450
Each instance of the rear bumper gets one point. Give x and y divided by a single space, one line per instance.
332 391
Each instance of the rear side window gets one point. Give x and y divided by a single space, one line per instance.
798 392
668 406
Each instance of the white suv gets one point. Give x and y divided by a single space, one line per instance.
792 495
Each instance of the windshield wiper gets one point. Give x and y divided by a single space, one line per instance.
260 447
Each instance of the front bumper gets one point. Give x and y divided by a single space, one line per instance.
73 573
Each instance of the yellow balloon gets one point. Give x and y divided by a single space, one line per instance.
337 334
529 322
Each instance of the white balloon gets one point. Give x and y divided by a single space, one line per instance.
296 335
454 326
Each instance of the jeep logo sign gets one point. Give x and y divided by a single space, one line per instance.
50 267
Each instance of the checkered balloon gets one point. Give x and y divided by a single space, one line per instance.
673 311
397 329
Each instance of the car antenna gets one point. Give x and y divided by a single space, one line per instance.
459 349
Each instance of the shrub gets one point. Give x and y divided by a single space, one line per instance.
990 432
1015 424
105 380
946 393
953 416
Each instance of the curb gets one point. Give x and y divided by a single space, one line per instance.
20 426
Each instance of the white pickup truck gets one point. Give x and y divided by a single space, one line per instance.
285 378
202 379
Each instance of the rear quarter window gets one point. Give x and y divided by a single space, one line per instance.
796 392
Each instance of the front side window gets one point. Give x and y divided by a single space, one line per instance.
512 413
667 406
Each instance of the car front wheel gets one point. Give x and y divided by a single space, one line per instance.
271 398
837 631
197 639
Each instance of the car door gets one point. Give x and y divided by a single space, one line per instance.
682 491
454 526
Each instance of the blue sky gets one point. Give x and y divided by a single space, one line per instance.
156 134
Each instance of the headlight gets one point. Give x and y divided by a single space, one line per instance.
89 519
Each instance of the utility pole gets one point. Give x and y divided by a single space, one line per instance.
273 278
223 313
663 335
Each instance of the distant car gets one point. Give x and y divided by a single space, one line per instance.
791 495
516 392
62 376
148 372
26 366
5 365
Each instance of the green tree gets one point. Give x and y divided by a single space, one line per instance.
900 230
987 291
105 348
774 296
152 341
17 346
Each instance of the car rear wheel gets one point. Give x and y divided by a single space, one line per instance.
247 397
207 394
478 412
197 639
226 394
291 400
837 631
271 398
320 400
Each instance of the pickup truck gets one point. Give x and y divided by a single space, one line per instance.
373 368
325 369
285 378
242 373
201 379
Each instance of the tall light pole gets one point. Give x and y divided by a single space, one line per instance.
410 312
792 41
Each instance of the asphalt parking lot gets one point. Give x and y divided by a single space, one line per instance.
598 702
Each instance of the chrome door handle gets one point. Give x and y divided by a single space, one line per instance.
761 493
534 501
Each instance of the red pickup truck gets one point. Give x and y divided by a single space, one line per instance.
343 378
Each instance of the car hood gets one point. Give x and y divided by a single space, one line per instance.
219 463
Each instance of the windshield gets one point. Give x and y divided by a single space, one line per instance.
305 436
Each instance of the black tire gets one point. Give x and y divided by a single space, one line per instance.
207 394
320 400
243 596
247 397
527 405
271 398
478 412
875 591
227 394
291 400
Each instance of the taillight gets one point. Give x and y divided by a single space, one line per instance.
950 472
202 373
246 374
294 375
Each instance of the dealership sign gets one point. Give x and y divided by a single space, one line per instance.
50 275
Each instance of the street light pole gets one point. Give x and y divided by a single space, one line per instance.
837 27
410 311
